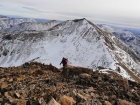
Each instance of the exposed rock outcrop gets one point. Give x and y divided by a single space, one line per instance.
39 84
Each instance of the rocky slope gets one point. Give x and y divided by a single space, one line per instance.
39 84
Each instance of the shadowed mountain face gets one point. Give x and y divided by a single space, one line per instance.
36 84
79 40
126 36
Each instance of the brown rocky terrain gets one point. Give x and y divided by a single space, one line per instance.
39 84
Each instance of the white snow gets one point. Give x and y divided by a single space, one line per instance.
126 36
80 42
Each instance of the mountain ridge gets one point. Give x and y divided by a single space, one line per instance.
82 42
30 26
126 36
7 22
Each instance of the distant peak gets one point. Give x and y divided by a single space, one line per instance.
2 16
53 21
77 20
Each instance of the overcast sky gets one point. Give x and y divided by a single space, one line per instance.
116 12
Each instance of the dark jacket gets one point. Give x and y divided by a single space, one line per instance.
64 62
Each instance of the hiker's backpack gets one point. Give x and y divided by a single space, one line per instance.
65 60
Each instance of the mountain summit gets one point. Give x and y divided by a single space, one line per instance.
83 43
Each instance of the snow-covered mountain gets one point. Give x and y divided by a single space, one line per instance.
83 43
126 36
7 22
30 26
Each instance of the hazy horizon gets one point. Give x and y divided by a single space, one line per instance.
115 12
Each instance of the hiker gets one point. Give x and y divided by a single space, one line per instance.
64 62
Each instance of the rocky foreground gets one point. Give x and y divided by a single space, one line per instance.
38 84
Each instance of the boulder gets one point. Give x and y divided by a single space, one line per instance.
124 102
20 78
89 90
21 102
84 76
11 80
42 101
1 99
53 102
17 95
4 85
66 100
107 103
99 78
11 99
82 97
78 70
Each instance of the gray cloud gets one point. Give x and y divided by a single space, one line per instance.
124 12
33 9
73 14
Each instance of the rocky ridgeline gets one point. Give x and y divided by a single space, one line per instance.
38 84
